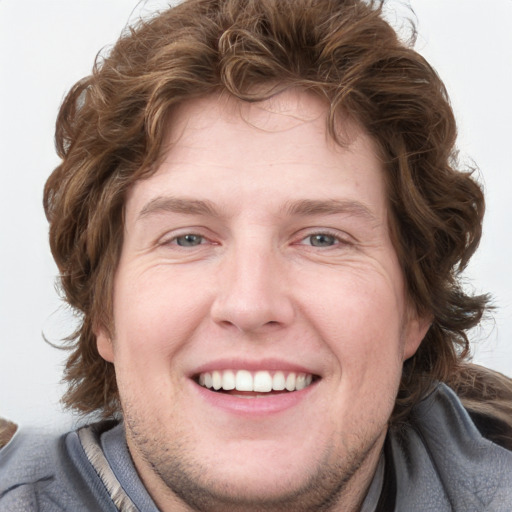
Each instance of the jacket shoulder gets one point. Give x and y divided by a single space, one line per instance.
38 473
27 464
487 396
442 455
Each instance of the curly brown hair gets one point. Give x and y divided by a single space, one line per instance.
111 125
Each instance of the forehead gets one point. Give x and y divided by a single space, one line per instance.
278 148
280 112
293 110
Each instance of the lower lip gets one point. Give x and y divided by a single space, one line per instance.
257 406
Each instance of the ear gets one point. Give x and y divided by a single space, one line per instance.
104 345
415 329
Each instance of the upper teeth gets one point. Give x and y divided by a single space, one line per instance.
261 381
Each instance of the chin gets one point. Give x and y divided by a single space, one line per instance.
250 475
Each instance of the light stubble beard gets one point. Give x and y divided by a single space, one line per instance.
329 487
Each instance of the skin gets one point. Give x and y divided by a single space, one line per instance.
259 288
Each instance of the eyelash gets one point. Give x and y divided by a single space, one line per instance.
335 236
337 239
174 240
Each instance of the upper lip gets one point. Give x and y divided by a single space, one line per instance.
252 366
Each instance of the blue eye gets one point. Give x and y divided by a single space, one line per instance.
322 240
189 240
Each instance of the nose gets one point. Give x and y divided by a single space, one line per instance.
252 293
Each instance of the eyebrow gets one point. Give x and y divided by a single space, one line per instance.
309 207
302 208
178 205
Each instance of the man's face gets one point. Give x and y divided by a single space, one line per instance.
259 256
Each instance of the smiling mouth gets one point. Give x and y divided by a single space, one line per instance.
244 383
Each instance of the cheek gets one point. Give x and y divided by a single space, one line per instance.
157 312
361 320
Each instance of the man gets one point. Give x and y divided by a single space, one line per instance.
260 218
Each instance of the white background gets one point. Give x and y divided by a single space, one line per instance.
45 46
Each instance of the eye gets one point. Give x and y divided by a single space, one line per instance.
189 240
321 240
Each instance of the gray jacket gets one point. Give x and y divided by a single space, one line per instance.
438 462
